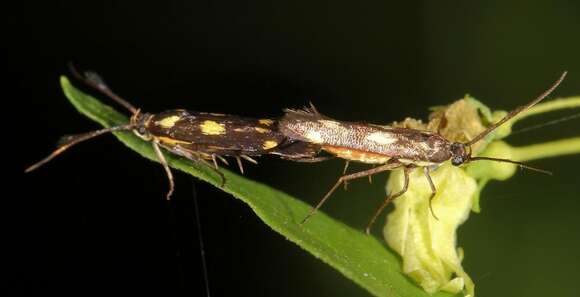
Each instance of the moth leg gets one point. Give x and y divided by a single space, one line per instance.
245 157
371 178
178 150
427 172
209 165
306 159
222 159
240 164
389 198
214 159
346 163
385 167
216 170
345 167
249 159
163 162
215 165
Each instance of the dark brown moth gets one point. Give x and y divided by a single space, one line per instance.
198 136
388 147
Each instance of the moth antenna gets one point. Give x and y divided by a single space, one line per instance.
522 165
71 140
516 111
93 80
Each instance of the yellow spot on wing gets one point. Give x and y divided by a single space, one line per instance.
268 144
266 122
212 128
170 141
380 138
168 122
262 130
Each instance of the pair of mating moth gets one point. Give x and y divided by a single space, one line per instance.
300 135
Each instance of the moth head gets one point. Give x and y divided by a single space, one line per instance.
459 153
140 121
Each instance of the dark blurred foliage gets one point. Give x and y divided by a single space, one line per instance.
95 219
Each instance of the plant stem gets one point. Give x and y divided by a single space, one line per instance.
548 149
561 103
553 148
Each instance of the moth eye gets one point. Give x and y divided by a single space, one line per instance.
141 130
457 160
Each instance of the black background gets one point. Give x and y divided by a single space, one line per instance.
94 221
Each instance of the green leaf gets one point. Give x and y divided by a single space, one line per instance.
361 258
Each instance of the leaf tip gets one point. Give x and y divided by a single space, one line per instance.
64 82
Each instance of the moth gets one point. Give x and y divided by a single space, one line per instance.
388 148
198 136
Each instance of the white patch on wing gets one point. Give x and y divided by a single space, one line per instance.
313 136
330 124
380 138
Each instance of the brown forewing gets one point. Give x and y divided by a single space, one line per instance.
399 143
226 135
